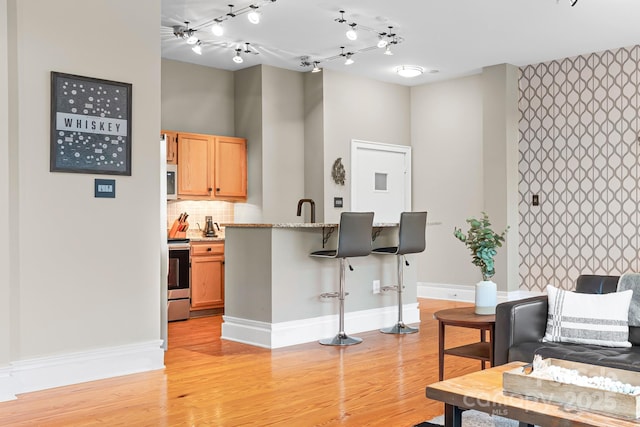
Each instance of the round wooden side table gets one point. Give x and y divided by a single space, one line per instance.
465 317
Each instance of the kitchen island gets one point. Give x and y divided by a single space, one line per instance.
273 286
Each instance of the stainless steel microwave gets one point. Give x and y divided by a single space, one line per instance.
172 182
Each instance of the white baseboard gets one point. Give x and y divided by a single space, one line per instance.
54 371
466 293
276 335
7 391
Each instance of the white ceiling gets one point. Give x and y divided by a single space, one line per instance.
456 37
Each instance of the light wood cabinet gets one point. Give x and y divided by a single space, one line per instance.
193 164
230 167
207 275
172 146
212 167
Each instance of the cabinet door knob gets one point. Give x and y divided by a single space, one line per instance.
218 190
208 249
210 189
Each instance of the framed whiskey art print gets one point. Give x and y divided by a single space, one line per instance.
90 125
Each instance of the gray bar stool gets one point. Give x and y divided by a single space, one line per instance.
411 240
354 240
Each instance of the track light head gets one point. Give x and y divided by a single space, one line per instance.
382 42
304 61
197 48
237 58
254 15
316 67
388 50
217 28
191 37
352 34
349 60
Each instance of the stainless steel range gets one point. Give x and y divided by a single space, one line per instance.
178 283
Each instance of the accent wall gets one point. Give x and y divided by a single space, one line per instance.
579 151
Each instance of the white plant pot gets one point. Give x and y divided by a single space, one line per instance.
486 297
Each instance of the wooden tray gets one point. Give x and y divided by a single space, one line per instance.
516 382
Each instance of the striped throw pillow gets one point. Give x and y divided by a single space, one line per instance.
599 319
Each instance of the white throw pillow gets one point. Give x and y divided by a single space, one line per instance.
599 319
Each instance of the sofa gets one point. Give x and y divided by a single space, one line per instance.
521 324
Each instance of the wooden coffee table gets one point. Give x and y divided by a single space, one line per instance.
465 317
482 391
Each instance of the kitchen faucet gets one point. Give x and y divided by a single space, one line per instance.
313 208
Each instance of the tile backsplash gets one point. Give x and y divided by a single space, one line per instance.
222 212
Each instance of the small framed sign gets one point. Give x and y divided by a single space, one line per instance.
90 125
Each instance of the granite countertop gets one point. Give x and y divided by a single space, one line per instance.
197 236
302 225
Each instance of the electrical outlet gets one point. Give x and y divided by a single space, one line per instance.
376 286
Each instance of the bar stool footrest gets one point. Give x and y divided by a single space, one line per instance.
332 294
399 328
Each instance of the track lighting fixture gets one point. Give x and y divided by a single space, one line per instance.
573 2
254 15
216 28
237 58
369 39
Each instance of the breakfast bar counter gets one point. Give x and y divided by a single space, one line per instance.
273 286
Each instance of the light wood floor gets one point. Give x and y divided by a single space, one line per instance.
211 382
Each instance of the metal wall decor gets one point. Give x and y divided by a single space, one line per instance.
338 172
90 125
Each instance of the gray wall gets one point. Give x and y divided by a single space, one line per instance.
500 166
249 123
313 141
282 144
364 109
6 259
77 280
446 134
197 99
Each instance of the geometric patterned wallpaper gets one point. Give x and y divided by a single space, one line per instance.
579 151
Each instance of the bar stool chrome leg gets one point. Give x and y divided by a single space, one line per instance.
342 339
400 327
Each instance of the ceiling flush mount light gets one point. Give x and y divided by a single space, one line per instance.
409 71
254 15
237 58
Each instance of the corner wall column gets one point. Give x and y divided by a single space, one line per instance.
500 165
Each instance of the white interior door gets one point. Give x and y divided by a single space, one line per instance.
380 179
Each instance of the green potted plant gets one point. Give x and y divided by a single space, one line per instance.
482 241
